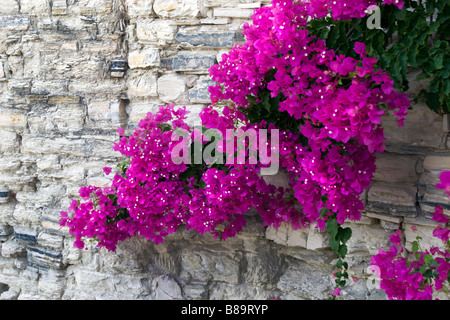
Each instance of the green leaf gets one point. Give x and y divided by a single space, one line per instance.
344 234
342 251
332 227
415 246
334 245
427 259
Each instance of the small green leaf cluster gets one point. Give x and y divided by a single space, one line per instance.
416 36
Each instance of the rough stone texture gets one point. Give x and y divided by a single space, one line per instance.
60 106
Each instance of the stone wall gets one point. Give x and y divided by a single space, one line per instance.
63 94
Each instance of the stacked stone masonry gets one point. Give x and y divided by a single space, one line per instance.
72 71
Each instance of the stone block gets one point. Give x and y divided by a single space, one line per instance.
158 31
13 119
396 168
209 37
172 9
142 84
139 8
25 235
394 199
9 142
199 62
63 146
287 236
166 288
172 88
9 7
211 263
239 13
199 92
12 249
34 6
17 22
44 258
64 99
422 128
144 58
59 7
430 196
19 87
138 110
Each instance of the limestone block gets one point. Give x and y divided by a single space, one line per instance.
367 238
241 13
144 58
171 9
138 110
396 168
34 6
287 236
209 36
9 142
303 280
199 93
23 214
9 7
188 61
59 7
44 258
25 235
12 249
431 196
394 199
17 22
15 120
40 145
172 88
166 288
422 128
193 117
99 111
423 230
210 262
317 239
142 84
157 31
52 241
139 8
19 87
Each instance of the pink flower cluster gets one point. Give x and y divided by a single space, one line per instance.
428 271
339 99
152 199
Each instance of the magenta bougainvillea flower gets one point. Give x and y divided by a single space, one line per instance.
330 157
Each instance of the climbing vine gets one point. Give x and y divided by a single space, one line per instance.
311 84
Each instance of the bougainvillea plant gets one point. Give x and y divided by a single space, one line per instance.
418 274
323 107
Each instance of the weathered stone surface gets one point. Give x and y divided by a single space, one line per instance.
396 168
199 92
422 128
159 31
394 199
302 280
177 9
189 62
142 84
9 7
233 13
208 37
12 249
139 8
172 88
144 58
